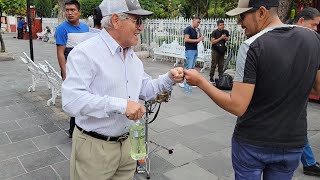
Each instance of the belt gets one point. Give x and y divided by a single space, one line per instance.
103 137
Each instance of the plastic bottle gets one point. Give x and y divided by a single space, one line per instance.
137 139
186 87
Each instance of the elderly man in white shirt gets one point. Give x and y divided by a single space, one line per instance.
105 80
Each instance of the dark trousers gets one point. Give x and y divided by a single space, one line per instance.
20 31
250 162
216 59
72 125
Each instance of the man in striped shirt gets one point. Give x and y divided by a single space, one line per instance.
105 80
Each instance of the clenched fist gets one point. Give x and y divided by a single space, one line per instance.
176 74
134 110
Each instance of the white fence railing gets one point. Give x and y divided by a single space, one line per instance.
159 30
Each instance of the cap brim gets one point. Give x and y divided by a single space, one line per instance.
237 11
140 12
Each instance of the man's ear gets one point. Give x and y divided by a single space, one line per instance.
115 21
300 21
262 12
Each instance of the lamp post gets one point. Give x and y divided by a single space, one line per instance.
30 30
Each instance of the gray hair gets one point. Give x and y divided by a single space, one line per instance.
106 21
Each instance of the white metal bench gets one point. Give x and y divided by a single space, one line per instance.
37 74
54 79
177 51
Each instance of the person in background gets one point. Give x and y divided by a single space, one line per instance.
67 36
20 27
192 37
310 18
270 92
105 80
218 40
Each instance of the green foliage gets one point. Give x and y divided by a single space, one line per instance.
43 7
163 8
87 7
13 7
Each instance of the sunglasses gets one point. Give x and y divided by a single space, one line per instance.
242 16
137 21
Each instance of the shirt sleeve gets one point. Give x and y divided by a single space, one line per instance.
187 30
152 87
246 65
77 97
61 36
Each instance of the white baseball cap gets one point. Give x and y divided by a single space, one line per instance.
246 5
109 7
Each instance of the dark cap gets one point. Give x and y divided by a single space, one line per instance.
109 7
246 5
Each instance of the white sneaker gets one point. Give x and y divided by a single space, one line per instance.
181 85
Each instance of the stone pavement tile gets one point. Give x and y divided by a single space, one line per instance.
61 120
158 167
191 131
10 168
9 126
218 163
25 133
16 149
8 100
191 117
4 139
50 128
46 173
33 121
66 149
172 109
315 142
204 146
222 122
41 159
181 155
28 107
63 169
160 125
9 115
168 138
190 172
50 140
221 136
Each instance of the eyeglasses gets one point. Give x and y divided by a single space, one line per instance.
242 16
137 21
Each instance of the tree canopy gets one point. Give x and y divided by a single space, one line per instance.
13 7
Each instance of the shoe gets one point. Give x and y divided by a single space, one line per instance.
312 170
181 85
211 80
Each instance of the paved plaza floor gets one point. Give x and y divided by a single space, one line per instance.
34 144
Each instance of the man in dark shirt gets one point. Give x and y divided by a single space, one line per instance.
192 37
218 40
274 77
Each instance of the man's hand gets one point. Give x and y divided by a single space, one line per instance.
176 74
134 110
201 38
224 37
193 77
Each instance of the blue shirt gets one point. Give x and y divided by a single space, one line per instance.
20 24
67 35
99 81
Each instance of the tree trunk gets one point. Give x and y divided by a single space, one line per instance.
284 9
61 11
3 47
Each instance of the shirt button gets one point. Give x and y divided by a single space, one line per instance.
127 81
129 96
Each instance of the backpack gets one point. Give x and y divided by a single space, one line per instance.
224 82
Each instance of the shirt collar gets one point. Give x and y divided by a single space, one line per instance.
112 44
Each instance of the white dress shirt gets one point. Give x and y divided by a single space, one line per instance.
99 82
